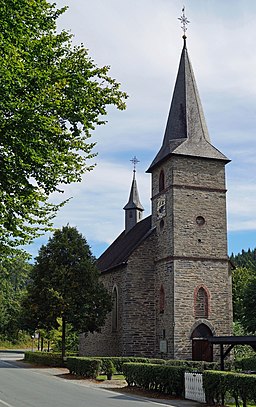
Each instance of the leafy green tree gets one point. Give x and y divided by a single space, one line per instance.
240 278
72 339
244 286
241 351
249 303
52 95
14 275
65 284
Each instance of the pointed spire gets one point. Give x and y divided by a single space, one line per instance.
133 209
186 130
134 200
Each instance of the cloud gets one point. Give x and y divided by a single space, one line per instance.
97 204
141 41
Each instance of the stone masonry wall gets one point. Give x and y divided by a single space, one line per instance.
107 343
188 276
139 301
196 194
189 254
165 317
136 309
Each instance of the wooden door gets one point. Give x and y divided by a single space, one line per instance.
201 348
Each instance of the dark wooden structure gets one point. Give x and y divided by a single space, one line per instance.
230 342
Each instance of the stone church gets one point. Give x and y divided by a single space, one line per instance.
169 273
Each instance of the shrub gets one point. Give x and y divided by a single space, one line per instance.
118 361
246 363
44 358
199 366
86 367
157 377
108 368
240 386
108 364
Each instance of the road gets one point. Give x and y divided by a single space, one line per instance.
32 387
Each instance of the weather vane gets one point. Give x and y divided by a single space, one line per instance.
135 161
184 22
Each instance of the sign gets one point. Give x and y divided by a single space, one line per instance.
163 346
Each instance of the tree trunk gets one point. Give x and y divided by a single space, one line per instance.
63 339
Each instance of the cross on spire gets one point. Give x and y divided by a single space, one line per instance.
135 161
184 22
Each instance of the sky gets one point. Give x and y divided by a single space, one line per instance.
141 40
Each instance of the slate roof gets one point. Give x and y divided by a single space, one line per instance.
119 251
186 130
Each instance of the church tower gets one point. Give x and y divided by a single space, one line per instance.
193 282
169 273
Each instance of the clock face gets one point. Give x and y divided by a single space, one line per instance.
161 211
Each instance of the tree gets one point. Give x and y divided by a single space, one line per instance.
65 284
249 303
245 259
240 278
52 96
244 286
14 276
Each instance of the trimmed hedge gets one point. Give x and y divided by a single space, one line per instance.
218 385
199 366
160 378
119 361
246 364
55 360
86 367
44 358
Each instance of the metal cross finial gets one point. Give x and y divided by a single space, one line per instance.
184 22
135 161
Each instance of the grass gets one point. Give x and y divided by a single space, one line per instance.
4 345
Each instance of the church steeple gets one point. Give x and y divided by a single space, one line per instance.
186 130
133 209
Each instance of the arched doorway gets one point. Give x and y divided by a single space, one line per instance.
201 348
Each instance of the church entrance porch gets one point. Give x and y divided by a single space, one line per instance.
201 348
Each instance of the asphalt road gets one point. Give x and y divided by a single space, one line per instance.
29 387
21 386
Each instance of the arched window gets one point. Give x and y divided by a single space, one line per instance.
114 309
201 303
161 181
162 299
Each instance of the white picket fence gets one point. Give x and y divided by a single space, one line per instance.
194 387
